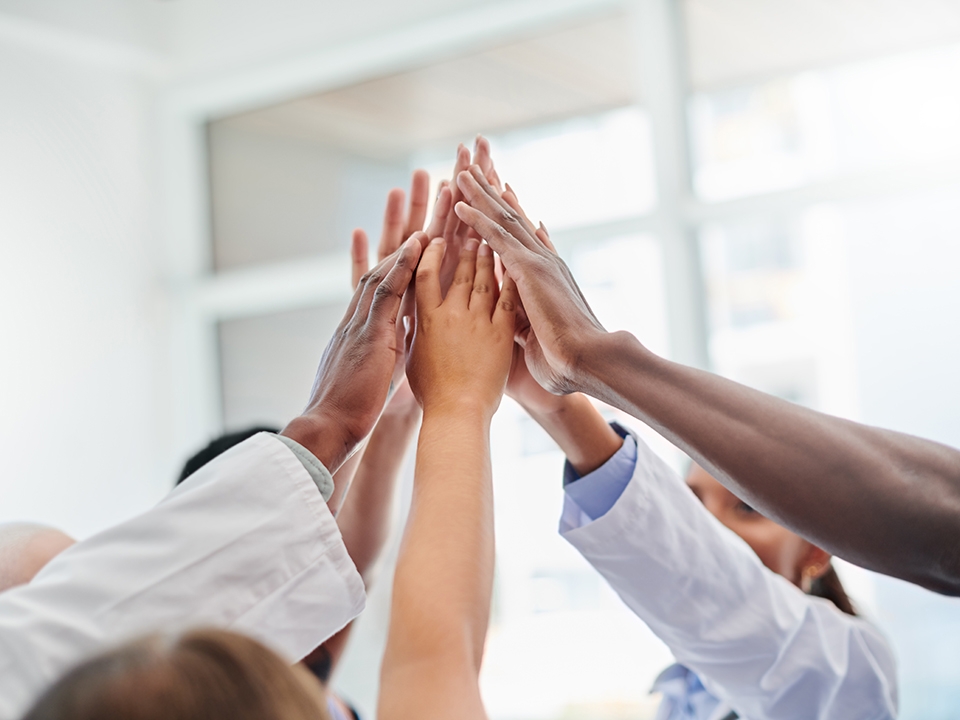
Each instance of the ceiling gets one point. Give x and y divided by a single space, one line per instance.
735 41
571 71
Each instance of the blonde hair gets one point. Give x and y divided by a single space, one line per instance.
200 675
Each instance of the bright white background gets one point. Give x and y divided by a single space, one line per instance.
787 217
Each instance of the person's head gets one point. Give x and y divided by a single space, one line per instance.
25 548
217 447
200 675
786 553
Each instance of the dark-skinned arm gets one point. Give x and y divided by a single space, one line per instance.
884 500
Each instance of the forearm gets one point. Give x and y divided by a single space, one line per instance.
444 576
882 499
579 429
365 517
343 479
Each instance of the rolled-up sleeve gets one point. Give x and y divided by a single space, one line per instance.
755 640
247 543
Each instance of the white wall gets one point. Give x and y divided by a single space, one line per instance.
81 316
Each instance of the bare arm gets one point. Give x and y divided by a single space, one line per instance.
572 421
885 500
444 577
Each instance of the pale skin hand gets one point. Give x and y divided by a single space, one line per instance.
884 500
457 367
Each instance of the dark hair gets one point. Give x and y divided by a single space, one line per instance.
201 675
829 587
217 447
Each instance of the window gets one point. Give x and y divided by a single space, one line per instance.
822 205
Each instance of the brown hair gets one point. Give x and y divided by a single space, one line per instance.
829 587
201 675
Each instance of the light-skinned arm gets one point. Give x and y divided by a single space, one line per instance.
441 595
884 500
364 517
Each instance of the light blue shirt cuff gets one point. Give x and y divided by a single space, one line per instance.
595 493
315 469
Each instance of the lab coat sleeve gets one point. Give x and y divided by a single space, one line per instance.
755 640
247 543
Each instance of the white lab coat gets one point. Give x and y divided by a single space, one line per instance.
246 544
759 644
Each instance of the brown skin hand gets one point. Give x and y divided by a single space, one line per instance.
883 500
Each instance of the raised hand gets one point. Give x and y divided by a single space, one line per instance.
355 372
562 328
462 348
444 221
398 225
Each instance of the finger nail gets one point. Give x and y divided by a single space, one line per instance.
437 240
471 245
485 250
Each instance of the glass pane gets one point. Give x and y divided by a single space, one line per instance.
578 172
561 643
852 308
783 133
276 198
268 363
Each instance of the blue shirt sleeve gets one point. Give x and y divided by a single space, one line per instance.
595 493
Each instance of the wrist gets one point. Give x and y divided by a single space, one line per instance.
323 437
605 358
582 433
546 408
458 409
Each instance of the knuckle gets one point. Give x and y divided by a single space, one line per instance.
373 277
507 304
481 288
508 216
383 292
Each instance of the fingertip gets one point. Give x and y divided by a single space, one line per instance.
485 250
415 242
443 201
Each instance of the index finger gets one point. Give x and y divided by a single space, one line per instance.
419 199
481 157
392 234
500 239
482 195
506 310
428 276
389 293
359 256
463 162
